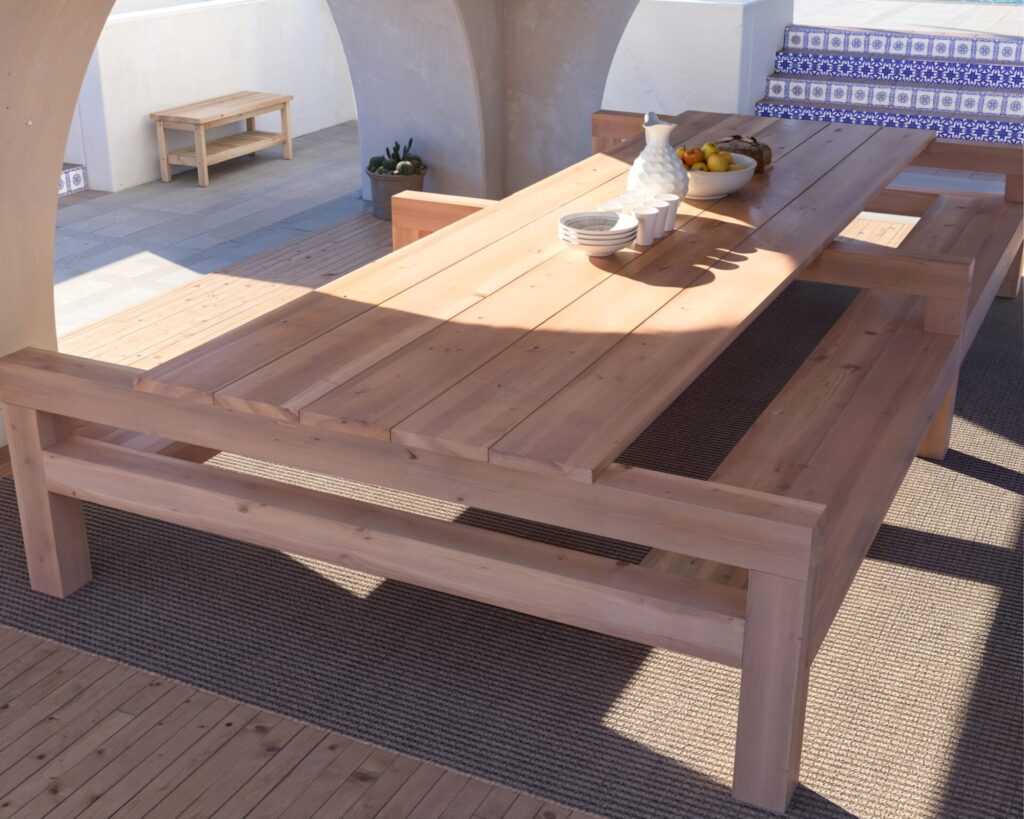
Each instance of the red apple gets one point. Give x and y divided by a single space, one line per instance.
691 155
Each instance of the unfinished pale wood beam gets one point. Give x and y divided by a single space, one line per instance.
869 266
415 214
974 157
610 128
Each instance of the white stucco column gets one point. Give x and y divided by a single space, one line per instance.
707 55
557 56
416 74
496 93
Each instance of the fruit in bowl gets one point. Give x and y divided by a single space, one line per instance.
717 173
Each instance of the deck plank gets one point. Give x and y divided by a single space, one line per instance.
103 739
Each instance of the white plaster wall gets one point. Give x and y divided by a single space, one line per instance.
708 55
557 58
149 60
415 75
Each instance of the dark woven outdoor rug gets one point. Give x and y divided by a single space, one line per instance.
915 703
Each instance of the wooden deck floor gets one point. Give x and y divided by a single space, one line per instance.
82 736
85 736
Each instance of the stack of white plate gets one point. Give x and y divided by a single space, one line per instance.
597 233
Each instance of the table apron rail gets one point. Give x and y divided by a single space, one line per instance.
738 527
575 588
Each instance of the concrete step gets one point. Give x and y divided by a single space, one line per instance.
72 179
931 72
980 128
945 101
942 46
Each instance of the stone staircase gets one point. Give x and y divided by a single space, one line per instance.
964 87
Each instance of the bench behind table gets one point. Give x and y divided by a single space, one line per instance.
199 116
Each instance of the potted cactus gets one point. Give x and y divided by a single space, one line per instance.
399 169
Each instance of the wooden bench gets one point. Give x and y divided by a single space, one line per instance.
199 116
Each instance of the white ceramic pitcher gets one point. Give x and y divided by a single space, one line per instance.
658 169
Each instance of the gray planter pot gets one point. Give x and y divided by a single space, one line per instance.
384 186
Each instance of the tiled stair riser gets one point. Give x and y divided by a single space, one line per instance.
72 180
947 127
905 44
911 98
888 69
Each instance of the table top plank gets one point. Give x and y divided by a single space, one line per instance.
283 387
377 399
221 109
210 367
490 340
488 403
593 419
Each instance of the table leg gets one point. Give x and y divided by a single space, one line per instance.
935 443
286 129
773 691
250 124
202 166
53 526
1010 288
161 146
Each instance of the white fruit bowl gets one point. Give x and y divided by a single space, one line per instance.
715 185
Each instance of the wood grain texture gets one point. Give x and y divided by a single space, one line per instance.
641 374
415 214
652 509
53 526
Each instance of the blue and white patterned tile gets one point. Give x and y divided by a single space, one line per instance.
898 44
924 99
62 185
890 69
961 128
921 98
76 179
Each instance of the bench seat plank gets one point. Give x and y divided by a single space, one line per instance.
219 110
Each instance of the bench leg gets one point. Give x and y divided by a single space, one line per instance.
1010 287
286 129
161 145
773 691
202 165
935 443
53 526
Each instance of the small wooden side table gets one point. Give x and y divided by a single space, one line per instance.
199 116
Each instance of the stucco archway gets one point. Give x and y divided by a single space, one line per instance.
44 49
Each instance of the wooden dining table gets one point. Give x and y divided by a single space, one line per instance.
491 365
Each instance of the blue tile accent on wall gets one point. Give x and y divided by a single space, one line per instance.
925 72
927 98
947 127
901 44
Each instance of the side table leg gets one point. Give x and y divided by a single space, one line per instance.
773 691
53 526
161 145
201 164
286 129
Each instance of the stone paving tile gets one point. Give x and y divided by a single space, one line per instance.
117 249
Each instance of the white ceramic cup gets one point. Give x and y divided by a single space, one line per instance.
663 208
673 204
647 224
612 207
